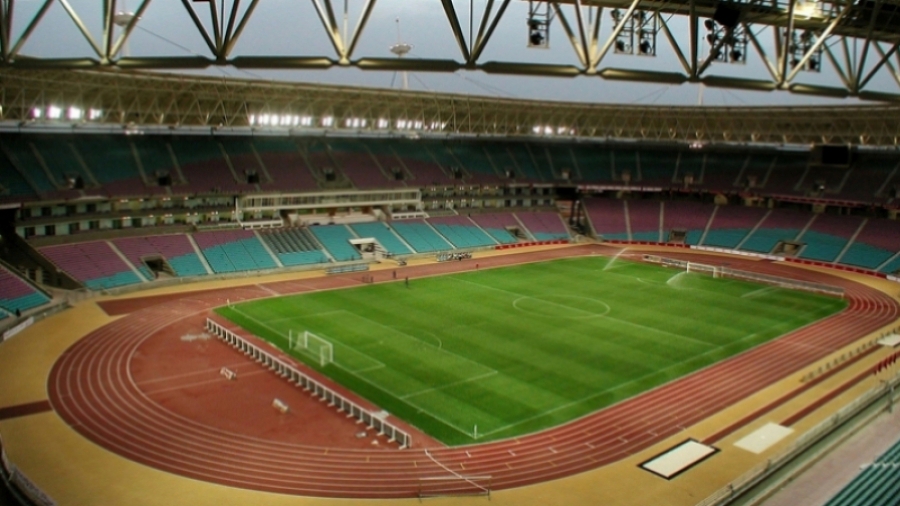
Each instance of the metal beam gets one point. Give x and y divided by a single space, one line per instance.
453 19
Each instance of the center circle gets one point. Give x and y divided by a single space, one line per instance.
562 306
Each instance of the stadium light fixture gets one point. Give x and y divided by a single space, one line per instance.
539 17
54 112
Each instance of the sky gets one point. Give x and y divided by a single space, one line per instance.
291 27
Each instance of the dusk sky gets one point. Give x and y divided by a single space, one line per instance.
291 27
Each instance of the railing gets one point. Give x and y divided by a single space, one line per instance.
341 269
753 276
805 441
291 373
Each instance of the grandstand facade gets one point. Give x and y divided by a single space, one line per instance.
145 203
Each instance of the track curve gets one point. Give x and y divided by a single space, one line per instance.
92 389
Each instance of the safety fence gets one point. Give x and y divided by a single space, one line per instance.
290 372
757 277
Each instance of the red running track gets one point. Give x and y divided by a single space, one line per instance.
91 387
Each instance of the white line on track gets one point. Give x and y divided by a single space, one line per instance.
200 383
192 373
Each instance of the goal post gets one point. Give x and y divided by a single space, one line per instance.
316 346
698 268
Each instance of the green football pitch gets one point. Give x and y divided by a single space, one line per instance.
497 353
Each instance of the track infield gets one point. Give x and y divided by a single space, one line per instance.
493 354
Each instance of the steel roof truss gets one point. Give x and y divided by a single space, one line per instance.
678 52
773 70
885 60
837 66
616 31
126 32
577 45
39 15
453 19
200 28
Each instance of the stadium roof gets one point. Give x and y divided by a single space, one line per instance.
825 48
136 100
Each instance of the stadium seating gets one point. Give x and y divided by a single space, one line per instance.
20 153
336 239
876 243
384 235
13 185
714 171
878 484
594 163
285 164
233 251
731 224
425 169
175 248
93 263
892 267
689 216
827 236
204 167
473 159
498 226
625 161
608 217
362 169
561 158
420 236
644 217
112 162
544 225
867 176
657 167
17 294
461 232
786 174
779 225
293 246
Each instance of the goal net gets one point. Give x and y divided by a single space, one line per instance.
313 345
697 268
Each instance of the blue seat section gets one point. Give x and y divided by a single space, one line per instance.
764 239
420 236
623 237
187 265
21 155
243 255
302 258
863 255
637 236
693 237
877 485
12 180
726 238
117 279
384 235
24 302
464 237
892 266
501 235
294 246
336 239
822 247
549 236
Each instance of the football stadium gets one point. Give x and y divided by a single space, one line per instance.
389 252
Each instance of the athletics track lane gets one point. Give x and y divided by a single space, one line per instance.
91 388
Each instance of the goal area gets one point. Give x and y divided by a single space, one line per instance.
698 268
756 277
315 346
